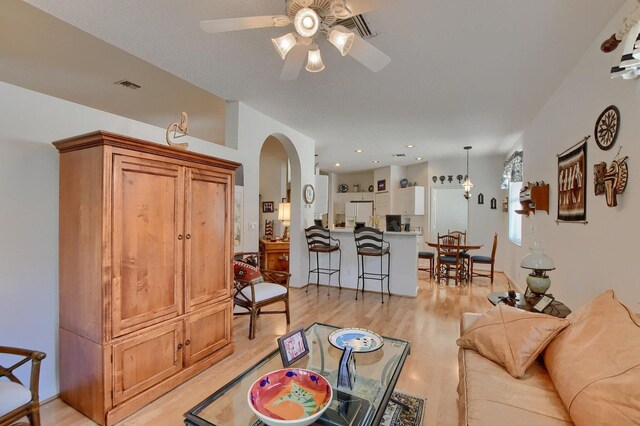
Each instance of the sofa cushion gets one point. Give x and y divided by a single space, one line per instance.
489 396
595 363
511 337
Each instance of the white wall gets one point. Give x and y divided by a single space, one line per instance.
602 254
29 206
486 175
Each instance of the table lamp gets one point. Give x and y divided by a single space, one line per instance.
537 281
284 215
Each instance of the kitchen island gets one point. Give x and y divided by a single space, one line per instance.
403 276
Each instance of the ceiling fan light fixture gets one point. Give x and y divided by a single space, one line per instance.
341 38
314 60
284 44
339 9
306 22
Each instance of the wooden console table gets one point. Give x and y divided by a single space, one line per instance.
274 255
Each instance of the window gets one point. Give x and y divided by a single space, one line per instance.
515 220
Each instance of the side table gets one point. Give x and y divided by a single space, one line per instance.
555 309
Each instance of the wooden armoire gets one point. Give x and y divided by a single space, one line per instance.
146 242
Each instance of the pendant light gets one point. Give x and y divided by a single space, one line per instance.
467 185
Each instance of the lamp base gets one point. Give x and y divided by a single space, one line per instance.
285 234
538 284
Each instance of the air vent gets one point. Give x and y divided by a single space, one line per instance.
399 155
128 84
358 24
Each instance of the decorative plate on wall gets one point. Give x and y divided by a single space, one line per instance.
343 187
370 188
607 127
404 182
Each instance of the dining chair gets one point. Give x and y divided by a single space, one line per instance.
463 240
430 256
485 260
319 241
256 288
17 400
370 243
449 260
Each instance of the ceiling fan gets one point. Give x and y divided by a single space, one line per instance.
312 20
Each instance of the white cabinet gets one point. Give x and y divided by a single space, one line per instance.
410 201
359 211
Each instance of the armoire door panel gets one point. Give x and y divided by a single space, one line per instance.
145 360
147 242
208 233
207 331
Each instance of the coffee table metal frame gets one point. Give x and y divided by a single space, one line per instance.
372 417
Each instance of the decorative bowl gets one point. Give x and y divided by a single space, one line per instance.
291 396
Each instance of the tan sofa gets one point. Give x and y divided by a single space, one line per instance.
591 375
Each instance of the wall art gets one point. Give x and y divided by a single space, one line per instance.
572 183
607 127
382 185
480 198
494 204
267 207
613 180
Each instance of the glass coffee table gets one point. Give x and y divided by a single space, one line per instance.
376 376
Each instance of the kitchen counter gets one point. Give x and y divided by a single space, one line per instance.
403 276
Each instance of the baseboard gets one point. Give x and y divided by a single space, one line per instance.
512 283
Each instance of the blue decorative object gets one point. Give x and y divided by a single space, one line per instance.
292 373
404 182
264 382
347 368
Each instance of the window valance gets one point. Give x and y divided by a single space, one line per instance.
513 167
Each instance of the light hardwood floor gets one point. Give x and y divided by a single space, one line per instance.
430 322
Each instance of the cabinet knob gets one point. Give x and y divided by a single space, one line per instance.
179 346
188 342
188 236
180 236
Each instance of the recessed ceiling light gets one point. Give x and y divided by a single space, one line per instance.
411 146
358 151
418 158
337 164
375 161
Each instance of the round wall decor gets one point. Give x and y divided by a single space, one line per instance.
309 194
343 187
607 126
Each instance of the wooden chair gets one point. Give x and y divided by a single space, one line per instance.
256 288
430 256
370 242
466 257
449 259
319 241
16 400
485 260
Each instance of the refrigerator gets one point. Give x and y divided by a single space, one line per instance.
358 211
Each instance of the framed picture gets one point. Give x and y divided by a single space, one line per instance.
267 207
382 185
572 184
293 346
543 303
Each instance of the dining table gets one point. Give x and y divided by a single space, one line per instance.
464 248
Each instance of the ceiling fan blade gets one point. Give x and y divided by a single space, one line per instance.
358 7
368 55
246 23
294 62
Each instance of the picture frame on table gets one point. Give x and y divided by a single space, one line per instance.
543 303
293 346
267 207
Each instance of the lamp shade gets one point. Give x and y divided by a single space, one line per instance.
341 38
284 44
314 60
284 212
536 259
306 22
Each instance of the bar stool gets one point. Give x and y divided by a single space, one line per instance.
430 256
370 242
319 240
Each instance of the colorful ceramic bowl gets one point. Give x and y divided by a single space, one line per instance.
292 397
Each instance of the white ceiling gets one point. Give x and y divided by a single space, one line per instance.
463 72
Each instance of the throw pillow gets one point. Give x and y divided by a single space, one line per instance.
595 363
246 273
511 337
